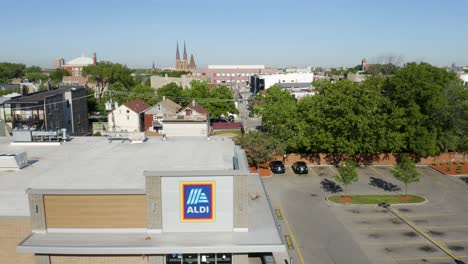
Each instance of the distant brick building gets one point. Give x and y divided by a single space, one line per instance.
75 66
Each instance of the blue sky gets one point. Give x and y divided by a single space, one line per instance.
274 33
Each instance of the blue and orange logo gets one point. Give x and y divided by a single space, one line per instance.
198 201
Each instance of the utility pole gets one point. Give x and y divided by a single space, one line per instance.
112 110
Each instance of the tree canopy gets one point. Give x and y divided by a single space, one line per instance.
420 109
107 73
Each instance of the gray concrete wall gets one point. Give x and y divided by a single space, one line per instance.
153 201
159 81
36 210
172 204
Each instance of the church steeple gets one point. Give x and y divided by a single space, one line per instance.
185 52
177 56
192 64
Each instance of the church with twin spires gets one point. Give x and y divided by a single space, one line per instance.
184 65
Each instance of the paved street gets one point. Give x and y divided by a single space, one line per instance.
369 234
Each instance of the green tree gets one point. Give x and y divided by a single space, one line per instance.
405 171
349 118
120 94
258 147
147 82
199 92
145 93
33 69
107 73
57 75
417 89
347 174
278 109
9 71
36 77
172 91
221 102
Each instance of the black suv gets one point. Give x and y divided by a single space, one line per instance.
277 166
300 167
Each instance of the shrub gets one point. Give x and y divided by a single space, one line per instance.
449 168
459 169
97 134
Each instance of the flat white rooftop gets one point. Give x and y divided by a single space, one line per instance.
92 163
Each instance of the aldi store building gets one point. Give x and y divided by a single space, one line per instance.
179 201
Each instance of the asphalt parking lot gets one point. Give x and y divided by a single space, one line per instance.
324 233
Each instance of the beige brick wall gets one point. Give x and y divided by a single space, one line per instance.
153 201
99 259
13 231
240 207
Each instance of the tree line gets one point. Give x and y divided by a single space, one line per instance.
420 109
10 71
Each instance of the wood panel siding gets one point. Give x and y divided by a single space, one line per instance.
95 211
13 231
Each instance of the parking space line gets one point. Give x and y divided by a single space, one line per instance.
333 170
293 237
382 228
415 242
446 227
421 232
376 171
398 243
367 216
313 172
427 258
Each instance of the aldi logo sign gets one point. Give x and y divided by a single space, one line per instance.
197 201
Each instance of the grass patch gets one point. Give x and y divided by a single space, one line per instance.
376 199
227 131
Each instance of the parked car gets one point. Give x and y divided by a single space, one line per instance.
300 167
277 167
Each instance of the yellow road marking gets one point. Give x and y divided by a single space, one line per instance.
278 214
333 169
428 258
376 171
288 242
313 172
293 237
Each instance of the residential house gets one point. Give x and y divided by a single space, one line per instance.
192 120
154 115
129 117
65 107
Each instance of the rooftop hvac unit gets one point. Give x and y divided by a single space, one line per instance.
13 161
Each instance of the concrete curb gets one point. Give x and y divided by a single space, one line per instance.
426 201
